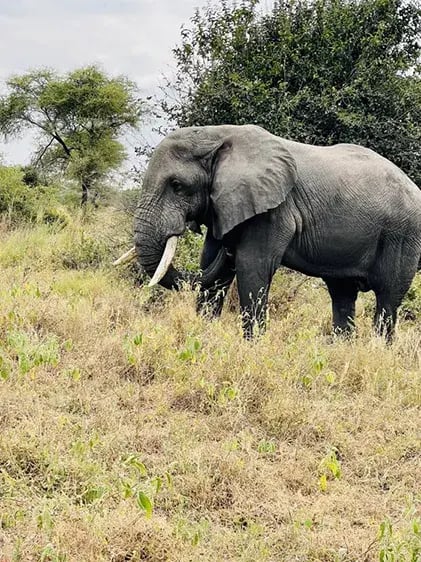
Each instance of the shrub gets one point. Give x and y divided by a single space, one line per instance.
21 203
83 252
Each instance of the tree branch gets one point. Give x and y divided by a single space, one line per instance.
53 134
43 151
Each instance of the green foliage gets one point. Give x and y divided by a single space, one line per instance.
79 117
31 176
188 251
134 484
316 71
20 202
400 547
411 306
330 468
83 252
31 352
191 350
266 447
144 503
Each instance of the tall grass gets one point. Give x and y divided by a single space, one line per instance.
131 429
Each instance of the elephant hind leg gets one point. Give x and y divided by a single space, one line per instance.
387 303
385 316
343 293
393 278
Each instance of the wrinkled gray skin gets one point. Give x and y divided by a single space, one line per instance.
342 213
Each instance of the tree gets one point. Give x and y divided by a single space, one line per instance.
316 71
79 117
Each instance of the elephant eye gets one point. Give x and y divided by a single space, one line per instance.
176 185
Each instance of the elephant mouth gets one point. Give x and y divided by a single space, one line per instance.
164 263
169 253
166 272
194 226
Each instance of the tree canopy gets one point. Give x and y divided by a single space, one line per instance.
79 117
316 71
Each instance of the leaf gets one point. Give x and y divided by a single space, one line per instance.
44 520
74 374
90 495
138 340
323 483
196 538
157 481
133 461
169 479
330 377
307 380
127 489
144 503
231 393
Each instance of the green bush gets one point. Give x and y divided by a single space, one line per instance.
20 202
56 215
411 306
84 252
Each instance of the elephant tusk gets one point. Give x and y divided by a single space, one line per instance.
128 256
165 262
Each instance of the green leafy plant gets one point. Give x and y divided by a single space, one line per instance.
266 447
83 252
31 352
191 350
50 554
21 203
330 468
142 485
404 546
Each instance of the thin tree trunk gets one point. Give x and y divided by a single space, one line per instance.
85 192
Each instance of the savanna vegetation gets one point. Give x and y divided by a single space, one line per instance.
79 119
133 430
315 71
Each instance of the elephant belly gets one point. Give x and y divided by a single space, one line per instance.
336 256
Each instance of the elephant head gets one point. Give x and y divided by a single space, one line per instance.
219 176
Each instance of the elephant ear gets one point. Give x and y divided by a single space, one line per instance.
253 173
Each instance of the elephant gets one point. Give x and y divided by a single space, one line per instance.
342 213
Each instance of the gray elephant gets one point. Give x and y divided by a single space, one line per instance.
342 213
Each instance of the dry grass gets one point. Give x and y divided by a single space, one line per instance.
296 448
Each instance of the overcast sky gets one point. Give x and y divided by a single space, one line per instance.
132 37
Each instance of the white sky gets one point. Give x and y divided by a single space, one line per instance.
132 37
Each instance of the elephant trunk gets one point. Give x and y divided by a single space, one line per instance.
150 252
155 257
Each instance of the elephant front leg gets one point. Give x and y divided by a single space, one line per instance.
253 288
253 310
260 249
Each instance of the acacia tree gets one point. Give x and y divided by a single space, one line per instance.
317 71
80 118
